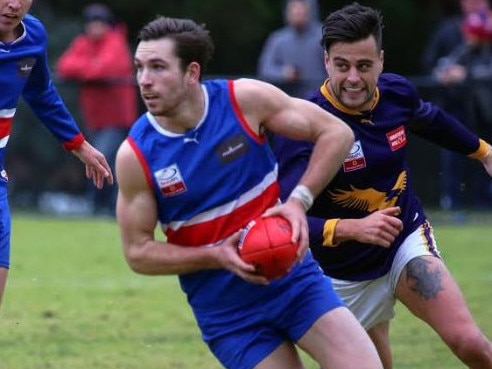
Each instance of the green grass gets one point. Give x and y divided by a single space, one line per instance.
72 303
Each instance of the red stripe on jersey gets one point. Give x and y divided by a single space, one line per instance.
5 126
240 115
221 227
142 161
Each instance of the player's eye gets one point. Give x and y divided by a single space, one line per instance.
342 67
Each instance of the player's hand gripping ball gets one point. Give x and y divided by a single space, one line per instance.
266 243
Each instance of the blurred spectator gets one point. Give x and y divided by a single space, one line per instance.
101 62
472 59
470 64
313 10
448 34
292 56
456 171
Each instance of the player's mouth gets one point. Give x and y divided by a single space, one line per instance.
10 16
150 97
353 93
353 89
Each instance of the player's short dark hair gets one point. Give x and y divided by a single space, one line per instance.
352 23
193 42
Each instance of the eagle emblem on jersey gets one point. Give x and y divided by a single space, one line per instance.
370 199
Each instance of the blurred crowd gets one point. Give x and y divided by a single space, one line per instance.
98 61
458 56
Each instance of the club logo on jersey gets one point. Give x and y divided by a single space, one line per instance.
232 149
370 199
355 160
24 67
397 138
4 175
170 181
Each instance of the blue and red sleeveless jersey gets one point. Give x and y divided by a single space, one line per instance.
209 183
212 180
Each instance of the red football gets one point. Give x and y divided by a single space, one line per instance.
266 243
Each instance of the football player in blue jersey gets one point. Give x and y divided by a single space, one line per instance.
368 230
24 72
198 165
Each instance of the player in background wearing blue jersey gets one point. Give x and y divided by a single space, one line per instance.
24 72
368 229
198 164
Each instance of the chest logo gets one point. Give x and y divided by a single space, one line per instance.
397 138
170 181
370 199
355 160
24 67
232 149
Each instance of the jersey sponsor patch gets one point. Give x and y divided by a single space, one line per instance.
25 67
397 138
232 149
355 160
170 181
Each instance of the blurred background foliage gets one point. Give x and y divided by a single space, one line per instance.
239 27
36 162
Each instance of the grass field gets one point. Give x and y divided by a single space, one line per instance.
72 303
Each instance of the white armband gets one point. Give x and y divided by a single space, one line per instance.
304 195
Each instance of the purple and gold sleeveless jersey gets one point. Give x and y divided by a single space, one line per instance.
375 175
209 183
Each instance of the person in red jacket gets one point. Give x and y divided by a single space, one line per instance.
100 61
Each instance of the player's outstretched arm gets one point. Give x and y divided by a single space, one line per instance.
96 166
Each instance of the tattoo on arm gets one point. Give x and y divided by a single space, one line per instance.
426 281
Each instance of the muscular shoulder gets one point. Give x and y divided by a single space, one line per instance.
129 171
259 101
252 94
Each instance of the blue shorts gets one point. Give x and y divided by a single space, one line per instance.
243 336
4 233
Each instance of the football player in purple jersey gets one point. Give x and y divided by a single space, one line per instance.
368 230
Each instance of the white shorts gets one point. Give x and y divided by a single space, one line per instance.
373 301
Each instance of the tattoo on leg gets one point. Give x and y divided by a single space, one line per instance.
425 282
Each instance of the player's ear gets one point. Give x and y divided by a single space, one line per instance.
326 60
326 57
193 72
